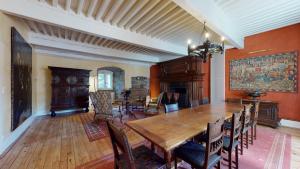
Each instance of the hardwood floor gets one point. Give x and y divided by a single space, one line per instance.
61 142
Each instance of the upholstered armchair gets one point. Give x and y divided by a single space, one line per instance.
102 103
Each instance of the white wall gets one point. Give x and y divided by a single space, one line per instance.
217 80
6 136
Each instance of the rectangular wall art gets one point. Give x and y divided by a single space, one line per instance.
277 73
21 70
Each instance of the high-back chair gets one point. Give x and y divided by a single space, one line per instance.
246 117
253 120
202 157
138 158
102 103
171 107
231 142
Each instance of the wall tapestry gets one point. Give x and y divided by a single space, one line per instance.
277 73
21 70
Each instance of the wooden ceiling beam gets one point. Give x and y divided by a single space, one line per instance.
158 16
91 8
148 7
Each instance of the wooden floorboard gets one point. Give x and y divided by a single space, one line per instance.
61 142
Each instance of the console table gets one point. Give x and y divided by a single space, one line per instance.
268 112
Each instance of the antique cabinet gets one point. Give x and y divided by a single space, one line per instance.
70 89
268 112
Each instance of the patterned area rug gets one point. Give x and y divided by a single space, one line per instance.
96 129
271 150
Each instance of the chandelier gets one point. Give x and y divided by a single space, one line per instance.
208 48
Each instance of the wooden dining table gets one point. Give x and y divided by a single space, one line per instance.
167 131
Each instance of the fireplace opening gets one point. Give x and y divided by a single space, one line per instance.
180 88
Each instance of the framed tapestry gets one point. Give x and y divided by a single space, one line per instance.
277 73
21 70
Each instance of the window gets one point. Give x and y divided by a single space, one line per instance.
105 80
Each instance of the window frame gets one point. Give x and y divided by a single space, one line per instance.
105 72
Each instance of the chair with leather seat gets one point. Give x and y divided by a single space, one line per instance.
138 158
171 107
231 141
202 157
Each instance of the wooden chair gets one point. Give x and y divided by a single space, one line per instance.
202 157
102 103
253 120
194 103
171 107
155 107
246 116
231 142
138 158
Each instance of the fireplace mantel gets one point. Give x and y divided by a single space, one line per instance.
185 72
185 69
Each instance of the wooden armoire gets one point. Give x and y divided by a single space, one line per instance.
70 89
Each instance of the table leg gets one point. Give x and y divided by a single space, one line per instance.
168 158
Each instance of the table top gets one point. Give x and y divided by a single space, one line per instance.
170 130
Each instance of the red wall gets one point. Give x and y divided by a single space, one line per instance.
278 40
154 81
155 86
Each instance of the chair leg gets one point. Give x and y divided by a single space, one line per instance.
229 159
255 131
175 162
242 143
247 139
237 157
219 165
252 135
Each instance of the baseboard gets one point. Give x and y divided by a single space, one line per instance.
14 136
290 123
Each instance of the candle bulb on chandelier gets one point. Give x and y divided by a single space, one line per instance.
189 41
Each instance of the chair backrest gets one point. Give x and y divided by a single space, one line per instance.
171 107
119 141
159 98
94 101
246 116
214 141
104 102
236 129
194 103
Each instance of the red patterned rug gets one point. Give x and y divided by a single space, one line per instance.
96 129
271 150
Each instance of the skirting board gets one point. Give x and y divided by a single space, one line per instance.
290 123
8 142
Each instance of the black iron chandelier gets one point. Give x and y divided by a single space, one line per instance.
208 48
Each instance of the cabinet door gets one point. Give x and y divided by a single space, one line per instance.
61 96
82 97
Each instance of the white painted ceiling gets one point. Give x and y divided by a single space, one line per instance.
256 16
146 30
